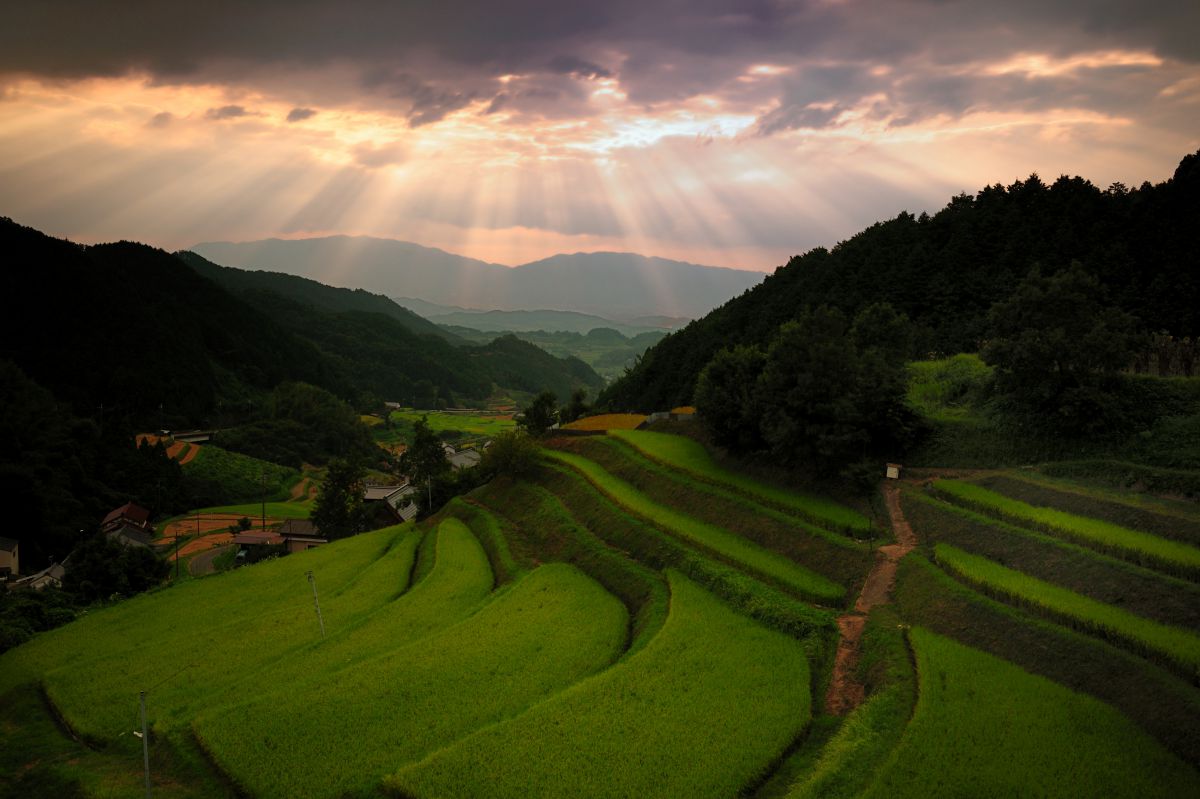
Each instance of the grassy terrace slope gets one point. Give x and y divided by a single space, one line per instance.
687 455
1132 544
551 628
94 667
734 548
710 702
1030 737
1180 647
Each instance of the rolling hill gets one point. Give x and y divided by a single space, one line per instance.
614 285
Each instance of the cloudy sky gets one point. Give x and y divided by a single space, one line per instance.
722 132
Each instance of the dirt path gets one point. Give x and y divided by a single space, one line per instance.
845 691
203 563
190 455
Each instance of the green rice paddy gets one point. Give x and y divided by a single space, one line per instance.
1179 645
1142 546
720 541
984 727
699 712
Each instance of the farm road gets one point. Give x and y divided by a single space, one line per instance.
845 691
203 563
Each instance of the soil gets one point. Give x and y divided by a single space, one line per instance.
846 692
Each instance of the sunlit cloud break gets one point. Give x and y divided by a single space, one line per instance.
730 134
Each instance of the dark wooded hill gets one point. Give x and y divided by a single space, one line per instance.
946 271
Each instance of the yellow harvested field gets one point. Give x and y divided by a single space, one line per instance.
608 421
684 410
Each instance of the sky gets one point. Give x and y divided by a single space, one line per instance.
715 131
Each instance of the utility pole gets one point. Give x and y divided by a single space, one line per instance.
263 476
145 742
313 582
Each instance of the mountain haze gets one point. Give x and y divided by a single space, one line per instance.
614 285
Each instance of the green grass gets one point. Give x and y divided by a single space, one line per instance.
1106 579
831 554
254 510
1180 646
946 388
458 425
770 564
984 727
700 712
553 627
187 645
659 550
233 477
1131 511
688 455
1141 547
852 756
493 534
543 528
1123 474
1158 701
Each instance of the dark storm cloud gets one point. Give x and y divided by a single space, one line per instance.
225 112
161 120
301 114
427 60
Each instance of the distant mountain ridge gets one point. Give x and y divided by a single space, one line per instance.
611 285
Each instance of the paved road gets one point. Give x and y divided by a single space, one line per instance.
203 563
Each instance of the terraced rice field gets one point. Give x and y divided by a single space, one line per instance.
685 454
633 619
607 421
1134 544
984 727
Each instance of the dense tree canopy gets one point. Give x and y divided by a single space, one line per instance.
946 271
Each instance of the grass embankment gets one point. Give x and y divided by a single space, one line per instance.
840 757
830 554
1126 475
659 550
232 477
775 567
94 667
542 528
1180 647
688 455
1168 520
709 703
1149 550
1106 579
493 534
984 727
552 628
1162 703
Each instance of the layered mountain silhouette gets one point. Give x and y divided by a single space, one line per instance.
613 285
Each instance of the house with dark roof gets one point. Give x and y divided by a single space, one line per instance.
49 577
390 499
10 558
300 534
128 525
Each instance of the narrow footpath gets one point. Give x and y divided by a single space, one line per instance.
845 691
203 563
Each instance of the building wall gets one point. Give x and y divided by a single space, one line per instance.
11 560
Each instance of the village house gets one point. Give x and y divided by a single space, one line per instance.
300 534
128 525
10 561
464 459
393 499
49 577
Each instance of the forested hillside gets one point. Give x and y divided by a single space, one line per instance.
131 332
947 270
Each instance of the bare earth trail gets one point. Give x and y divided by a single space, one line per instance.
845 691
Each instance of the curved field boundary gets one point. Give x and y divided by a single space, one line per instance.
1141 547
1155 519
338 734
687 455
1029 735
752 556
659 550
700 712
491 534
546 528
1180 647
1104 578
198 631
687 480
